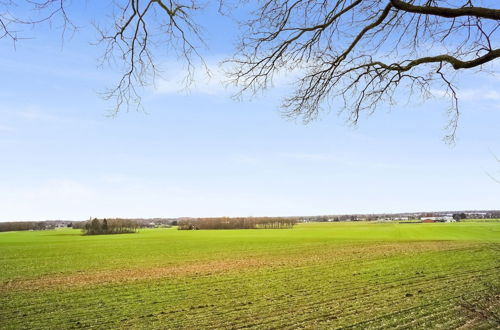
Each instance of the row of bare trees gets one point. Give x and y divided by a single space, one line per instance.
236 223
108 226
22 225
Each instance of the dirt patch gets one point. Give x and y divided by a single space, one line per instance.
332 255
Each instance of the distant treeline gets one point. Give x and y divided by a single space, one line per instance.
244 223
236 223
108 226
55 224
34 225
22 225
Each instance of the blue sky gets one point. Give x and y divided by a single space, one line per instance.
201 153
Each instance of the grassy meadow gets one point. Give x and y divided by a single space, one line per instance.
316 275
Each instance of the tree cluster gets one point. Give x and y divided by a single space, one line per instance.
236 223
459 216
109 226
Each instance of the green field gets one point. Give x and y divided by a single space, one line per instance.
317 275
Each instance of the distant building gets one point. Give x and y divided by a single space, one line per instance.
445 218
476 215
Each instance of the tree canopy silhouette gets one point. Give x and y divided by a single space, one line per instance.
350 54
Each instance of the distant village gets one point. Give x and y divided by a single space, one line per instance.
409 217
443 216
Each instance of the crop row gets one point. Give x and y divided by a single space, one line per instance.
363 293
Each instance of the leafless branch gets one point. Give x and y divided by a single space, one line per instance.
354 55
358 54
139 27
44 11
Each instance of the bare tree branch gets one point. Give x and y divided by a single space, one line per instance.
46 11
481 12
139 29
455 63
363 53
140 26
349 55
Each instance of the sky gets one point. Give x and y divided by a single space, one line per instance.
199 152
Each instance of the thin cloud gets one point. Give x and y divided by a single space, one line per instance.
40 114
471 94
479 94
211 80
4 128
53 70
